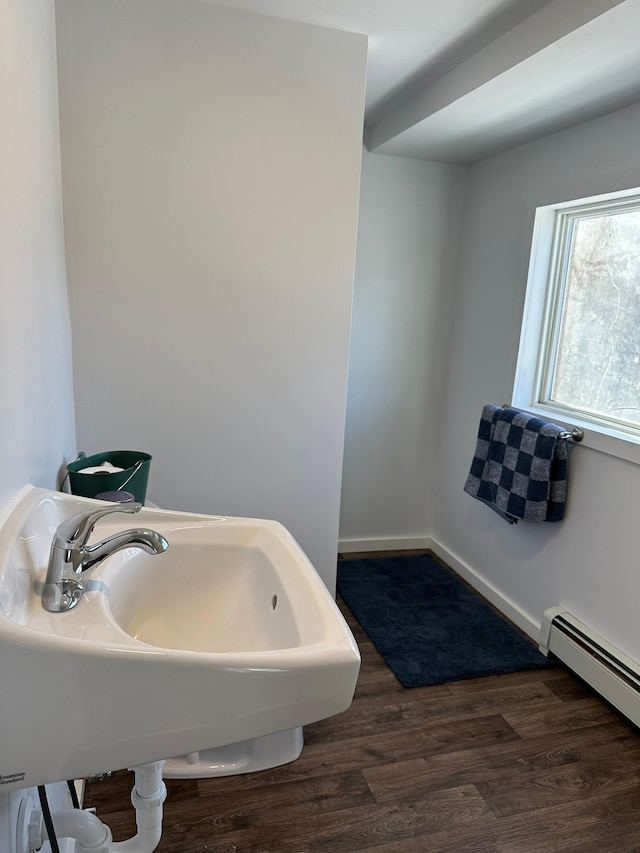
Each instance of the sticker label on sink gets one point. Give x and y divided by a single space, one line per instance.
11 777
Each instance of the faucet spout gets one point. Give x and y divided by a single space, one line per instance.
148 540
71 559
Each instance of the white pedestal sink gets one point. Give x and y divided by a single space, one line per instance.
228 636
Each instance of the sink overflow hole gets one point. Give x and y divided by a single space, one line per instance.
274 602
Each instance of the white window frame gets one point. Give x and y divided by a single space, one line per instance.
540 326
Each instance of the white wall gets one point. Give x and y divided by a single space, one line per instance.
589 562
36 403
406 267
211 166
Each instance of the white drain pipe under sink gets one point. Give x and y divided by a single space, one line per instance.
93 836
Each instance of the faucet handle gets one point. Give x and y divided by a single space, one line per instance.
75 531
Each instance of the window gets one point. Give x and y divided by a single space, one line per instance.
579 359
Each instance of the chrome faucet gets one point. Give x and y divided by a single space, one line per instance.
71 560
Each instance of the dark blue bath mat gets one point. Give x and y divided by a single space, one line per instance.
428 626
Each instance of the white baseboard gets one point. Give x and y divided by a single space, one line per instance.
395 543
523 620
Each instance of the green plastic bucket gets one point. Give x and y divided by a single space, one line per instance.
133 477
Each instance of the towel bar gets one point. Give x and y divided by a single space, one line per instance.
577 434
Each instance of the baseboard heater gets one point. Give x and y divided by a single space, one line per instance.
608 670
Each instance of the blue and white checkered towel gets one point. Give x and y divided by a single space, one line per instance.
520 466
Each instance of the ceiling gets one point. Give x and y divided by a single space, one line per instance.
460 80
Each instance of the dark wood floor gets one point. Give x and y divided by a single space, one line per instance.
531 762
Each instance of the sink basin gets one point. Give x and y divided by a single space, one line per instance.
227 636
240 596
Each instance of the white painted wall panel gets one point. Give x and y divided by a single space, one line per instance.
211 166
408 232
36 401
588 562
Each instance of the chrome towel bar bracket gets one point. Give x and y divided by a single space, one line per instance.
576 434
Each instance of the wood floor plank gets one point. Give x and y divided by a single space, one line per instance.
509 761
586 826
581 713
560 785
544 789
417 707
545 676
322 758
376 680
285 802
343 831
567 687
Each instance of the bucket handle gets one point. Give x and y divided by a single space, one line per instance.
136 468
